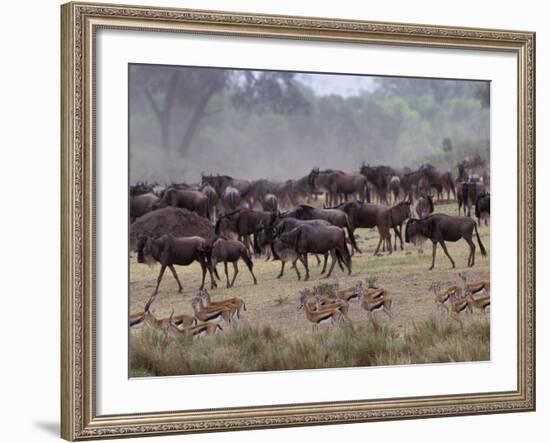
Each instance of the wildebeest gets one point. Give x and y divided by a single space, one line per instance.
470 192
230 251
440 228
141 204
266 236
185 198
243 222
398 214
169 251
339 185
220 182
379 177
307 239
334 216
212 198
231 198
424 206
483 207
369 215
270 203
286 224
394 186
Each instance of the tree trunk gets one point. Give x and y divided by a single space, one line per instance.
164 113
198 114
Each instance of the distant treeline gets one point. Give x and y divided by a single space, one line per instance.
184 121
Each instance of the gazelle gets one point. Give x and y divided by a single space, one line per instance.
218 314
137 320
324 301
233 302
348 294
482 302
443 298
459 305
207 328
375 299
316 316
482 287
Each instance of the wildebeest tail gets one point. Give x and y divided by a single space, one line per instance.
481 247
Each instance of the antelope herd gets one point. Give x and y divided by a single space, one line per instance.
317 215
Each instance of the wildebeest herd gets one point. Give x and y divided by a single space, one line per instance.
315 215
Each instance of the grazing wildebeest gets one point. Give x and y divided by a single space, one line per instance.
141 204
424 206
230 251
270 203
169 251
231 198
440 228
369 215
265 236
483 207
319 240
398 214
334 216
244 222
184 198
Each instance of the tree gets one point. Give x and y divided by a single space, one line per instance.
179 97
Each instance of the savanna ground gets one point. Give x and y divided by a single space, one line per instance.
273 335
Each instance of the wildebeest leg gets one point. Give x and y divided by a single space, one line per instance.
226 274
235 272
379 243
296 269
318 259
249 265
433 255
159 278
472 256
282 269
178 280
303 259
442 242
324 264
334 260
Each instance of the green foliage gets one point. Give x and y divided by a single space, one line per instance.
274 125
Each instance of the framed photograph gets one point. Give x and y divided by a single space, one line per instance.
277 221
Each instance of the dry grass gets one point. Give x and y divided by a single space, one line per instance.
249 348
271 305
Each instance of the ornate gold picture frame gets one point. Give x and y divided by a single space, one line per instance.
80 22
